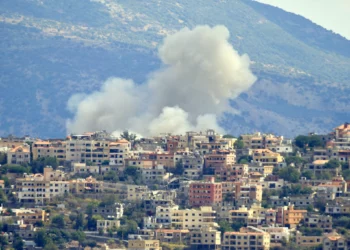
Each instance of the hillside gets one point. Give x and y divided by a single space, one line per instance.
52 49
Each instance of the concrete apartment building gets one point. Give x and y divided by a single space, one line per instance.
318 167
192 163
31 215
119 151
233 172
219 159
335 241
104 225
19 155
277 234
114 211
308 241
205 238
247 238
247 193
261 141
41 188
166 159
288 216
93 147
205 193
49 149
144 245
82 168
268 158
172 235
319 221
187 218
88 185
155 174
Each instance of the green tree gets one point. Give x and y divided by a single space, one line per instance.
333 163
89 163
128 136
111 176
58 222
79 221
294 159
39 164
346 174
40 238
301 141
50 246
289 174
245 159
225 226
3 158
239 144
308 175
3 197
179 168
79 236
133 173
18 242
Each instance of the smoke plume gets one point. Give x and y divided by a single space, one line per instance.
201 73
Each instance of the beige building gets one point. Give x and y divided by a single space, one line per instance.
30 215
308 241
19 155
247 238
119 151
186 218
334 241
206 238
82 168
192 163
41 188
219 159
172 235
144 245
88 185
104 225
49 149
268 158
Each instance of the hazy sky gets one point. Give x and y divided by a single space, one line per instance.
331 14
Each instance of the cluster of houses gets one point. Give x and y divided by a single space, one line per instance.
191 186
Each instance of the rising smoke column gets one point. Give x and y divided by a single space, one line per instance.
201 73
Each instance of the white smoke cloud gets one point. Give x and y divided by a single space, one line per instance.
201 73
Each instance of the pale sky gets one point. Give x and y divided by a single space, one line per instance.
331 14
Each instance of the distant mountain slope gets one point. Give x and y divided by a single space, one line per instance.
52 49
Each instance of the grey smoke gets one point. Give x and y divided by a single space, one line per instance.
201 73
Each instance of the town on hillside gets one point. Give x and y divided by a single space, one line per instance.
198 190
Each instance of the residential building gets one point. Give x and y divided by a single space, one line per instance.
335 241
19 155
119 151
41 188
55 149
104 225
82 168
187 218
154 174
31 215
268 158
292 217
308 241
318 221
205 193
319 167
114 211
219 159
88 185
205 238
247 238
172 235
144 245
278 234
192 163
